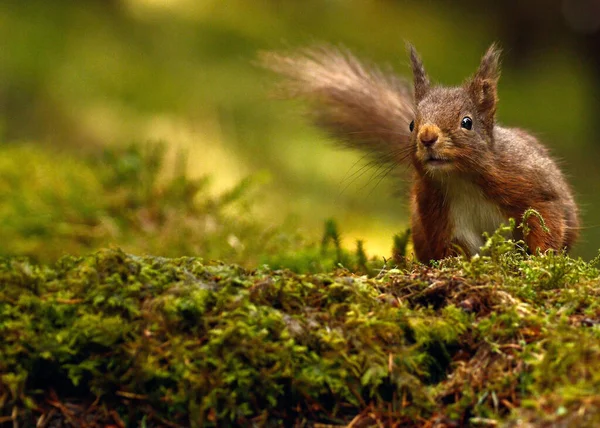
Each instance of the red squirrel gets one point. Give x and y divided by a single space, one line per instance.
470 174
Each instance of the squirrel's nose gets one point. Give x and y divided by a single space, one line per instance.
429 141
428 135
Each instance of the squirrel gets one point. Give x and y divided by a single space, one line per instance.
470 174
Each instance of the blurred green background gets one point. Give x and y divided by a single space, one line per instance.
81 81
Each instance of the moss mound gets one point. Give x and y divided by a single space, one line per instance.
113 338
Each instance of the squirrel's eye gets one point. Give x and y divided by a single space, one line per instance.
411 126
466 123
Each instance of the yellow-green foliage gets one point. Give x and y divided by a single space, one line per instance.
124 197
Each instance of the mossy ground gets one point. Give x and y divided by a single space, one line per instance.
113 338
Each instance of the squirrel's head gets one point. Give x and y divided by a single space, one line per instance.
453 128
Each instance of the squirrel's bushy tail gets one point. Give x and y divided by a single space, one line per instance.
362 106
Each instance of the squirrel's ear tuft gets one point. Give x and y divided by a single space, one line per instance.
489 68
483 86
421 81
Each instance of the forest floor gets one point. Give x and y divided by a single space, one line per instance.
113 338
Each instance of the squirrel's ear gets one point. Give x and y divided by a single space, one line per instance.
483 86
421 81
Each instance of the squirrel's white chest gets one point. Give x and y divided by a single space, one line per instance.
471 214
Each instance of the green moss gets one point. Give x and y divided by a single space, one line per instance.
500 337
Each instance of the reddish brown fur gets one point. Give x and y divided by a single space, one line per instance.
466 180
365 108
429 218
